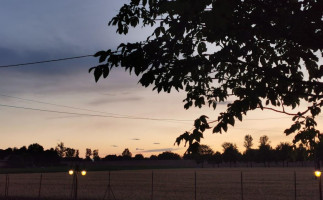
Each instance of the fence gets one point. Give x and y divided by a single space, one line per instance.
172 184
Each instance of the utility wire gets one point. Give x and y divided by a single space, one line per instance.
45 61
64 106
91 115
120 115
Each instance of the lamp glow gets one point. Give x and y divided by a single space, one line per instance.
83 172
317 173
70 172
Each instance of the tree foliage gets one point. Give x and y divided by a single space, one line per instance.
248 142
126 154
263 53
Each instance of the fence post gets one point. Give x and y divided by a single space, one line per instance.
40 183
152 184
6 188
295 185
195 185
241 186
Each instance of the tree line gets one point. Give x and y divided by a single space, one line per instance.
284 153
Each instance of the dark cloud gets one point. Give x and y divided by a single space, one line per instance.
138 149
135 139
160 150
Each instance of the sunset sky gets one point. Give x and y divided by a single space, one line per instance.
37 30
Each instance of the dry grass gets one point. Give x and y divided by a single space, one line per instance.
171 184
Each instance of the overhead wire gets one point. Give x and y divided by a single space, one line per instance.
92 115
45 61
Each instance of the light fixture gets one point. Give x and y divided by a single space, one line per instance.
317 173
83 172
70 172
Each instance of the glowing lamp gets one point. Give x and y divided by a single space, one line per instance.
70 172
83 172
317 173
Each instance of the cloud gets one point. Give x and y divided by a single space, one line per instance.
114 146
135 139
156 143
102 101
160 150
138 149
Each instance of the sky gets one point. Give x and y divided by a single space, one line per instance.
37 102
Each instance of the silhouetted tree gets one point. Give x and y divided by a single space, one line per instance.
126 154
301 154
284 152
167 155
264 152
111 158
248 142
153 157
216 159
88 154
139 157
60 149
35 148
95 155
70 153
230 153
250 156
264 53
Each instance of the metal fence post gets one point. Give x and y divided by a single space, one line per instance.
241 185
152 185
40 182
195 185
294 185
6 188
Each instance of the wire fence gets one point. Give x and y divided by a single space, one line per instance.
171 184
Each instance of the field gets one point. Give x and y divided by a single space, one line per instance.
170 184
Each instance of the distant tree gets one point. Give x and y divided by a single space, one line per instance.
204 154
70 153
250 156
248 142
265 150
77 154
111 158
22 150
35 148
284 152
230 153
139 157
301 154
264 140
95 155
60 149
126 154
50 158
167 155
88 154
153 157
216 159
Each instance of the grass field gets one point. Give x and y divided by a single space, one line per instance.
171 184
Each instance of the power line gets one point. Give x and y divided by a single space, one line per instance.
64 106
91 115
45 61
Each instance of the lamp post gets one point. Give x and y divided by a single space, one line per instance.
74 172
317 174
